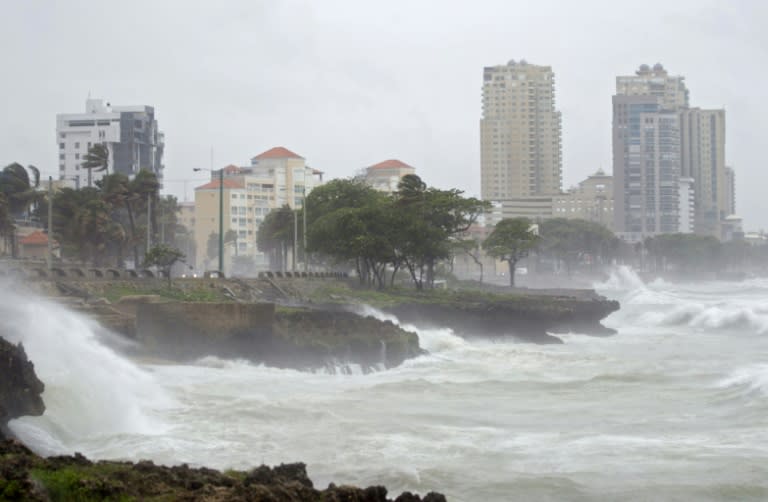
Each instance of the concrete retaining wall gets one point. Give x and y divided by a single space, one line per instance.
189 330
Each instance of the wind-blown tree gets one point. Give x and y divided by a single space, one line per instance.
164 257
685 252
21 194
275 236
352 224
431 220
144 189
511 240
572 241
116 193
471 247
95 229
6 222
96 159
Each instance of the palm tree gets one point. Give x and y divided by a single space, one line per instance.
20 193
97 159
6 222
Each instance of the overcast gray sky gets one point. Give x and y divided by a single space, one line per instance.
347 84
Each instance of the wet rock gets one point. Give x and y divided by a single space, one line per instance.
26 476
20 389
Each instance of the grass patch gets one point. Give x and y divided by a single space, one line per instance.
113 293
79 484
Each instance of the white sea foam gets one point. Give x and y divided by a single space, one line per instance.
90 390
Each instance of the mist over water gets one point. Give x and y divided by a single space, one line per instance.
675 406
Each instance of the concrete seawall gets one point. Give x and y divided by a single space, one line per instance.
187 330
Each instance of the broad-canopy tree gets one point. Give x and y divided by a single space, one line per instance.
350 222
573 241
511 240
275 236
163 257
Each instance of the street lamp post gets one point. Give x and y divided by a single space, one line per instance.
221 217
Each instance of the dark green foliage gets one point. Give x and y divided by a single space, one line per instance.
352 224
163 257
686 252
100 223
576 241
511 240
275 236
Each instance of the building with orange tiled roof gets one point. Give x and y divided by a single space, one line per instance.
386 175
275 178
34 245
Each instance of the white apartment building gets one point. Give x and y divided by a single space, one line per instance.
520 135
130 132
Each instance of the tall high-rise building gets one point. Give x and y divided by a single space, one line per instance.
130 132
670 91
703 159
646 167
520 134
659 138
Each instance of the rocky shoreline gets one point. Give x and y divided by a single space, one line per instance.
25 475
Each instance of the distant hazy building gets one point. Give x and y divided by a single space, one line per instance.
703 159
386 175
275 178
645 133
686 208
669 90
591 200
130 132
646 167
520 136
730 190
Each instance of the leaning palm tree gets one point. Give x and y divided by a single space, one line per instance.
97 159
21 195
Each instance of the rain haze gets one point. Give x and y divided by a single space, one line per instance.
349 84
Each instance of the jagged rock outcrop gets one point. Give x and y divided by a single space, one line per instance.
320 337
20 389
26 476
525 316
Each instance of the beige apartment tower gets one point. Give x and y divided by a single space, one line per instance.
703 159
520 135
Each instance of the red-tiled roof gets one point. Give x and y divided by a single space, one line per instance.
228 184
390 164
36 238
231 169
278 152
317 171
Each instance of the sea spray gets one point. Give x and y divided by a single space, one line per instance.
90 390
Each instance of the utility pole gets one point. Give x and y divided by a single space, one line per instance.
221 219
50 223
295 238
149 221
304 222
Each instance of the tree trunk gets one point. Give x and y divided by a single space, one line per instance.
133 232
512 265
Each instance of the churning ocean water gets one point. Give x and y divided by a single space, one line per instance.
673 407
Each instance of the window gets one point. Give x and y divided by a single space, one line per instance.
61 146
61 156
77 156
77 144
